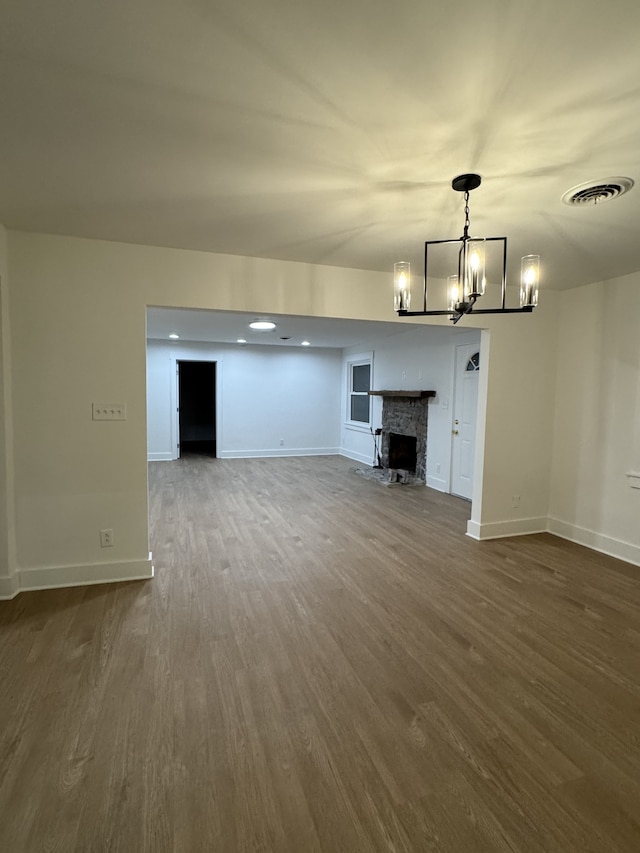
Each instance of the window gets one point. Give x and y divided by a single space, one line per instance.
473 364
359 403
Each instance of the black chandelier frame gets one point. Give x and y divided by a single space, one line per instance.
466 183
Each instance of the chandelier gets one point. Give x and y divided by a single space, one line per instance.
461 271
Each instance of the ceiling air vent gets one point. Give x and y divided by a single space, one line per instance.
597 192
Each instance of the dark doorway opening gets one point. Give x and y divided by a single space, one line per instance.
402 452
197 407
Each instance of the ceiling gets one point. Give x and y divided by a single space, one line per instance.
229 326
324 131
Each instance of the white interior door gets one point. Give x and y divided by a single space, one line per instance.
465 413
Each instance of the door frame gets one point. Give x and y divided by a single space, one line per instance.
175 397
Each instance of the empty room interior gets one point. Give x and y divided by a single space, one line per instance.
320 427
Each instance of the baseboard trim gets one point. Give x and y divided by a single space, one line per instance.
164 456
437 483
59 577
357 457
503 529
9 587
279 451
608 545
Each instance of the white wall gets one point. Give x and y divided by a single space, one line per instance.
421 359
78 335
515 417
515 426
161 405
597 418
8 581
265 395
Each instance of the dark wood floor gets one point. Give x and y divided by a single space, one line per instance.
323 664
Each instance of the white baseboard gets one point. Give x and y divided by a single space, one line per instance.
57 577
357 457
258 454
279 451
608 545
9 587
437 483
502 529
626 551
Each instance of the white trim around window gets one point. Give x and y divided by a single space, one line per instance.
359 383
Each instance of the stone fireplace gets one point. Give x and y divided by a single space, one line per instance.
403 443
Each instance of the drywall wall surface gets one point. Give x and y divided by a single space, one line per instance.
161 403
79 337
4 287
7 520
271 401
134 274
515 431
277 400
597 418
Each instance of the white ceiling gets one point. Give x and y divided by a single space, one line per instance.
324 131
228 326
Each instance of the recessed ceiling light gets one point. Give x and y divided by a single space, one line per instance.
262 325
173 336
305 344
241 341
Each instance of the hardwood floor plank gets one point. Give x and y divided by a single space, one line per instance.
323 665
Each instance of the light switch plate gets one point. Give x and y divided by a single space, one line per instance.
109 411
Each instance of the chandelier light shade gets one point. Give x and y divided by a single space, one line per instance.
460 268
453 291
529 278
402 286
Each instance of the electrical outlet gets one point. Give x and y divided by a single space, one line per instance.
419 375
106 538
437 467
282 442
404 374
515 501
109 411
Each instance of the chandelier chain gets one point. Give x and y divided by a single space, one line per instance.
467 221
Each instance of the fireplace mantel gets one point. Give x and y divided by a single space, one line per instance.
416 394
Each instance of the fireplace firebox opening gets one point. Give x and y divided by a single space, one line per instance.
402 452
